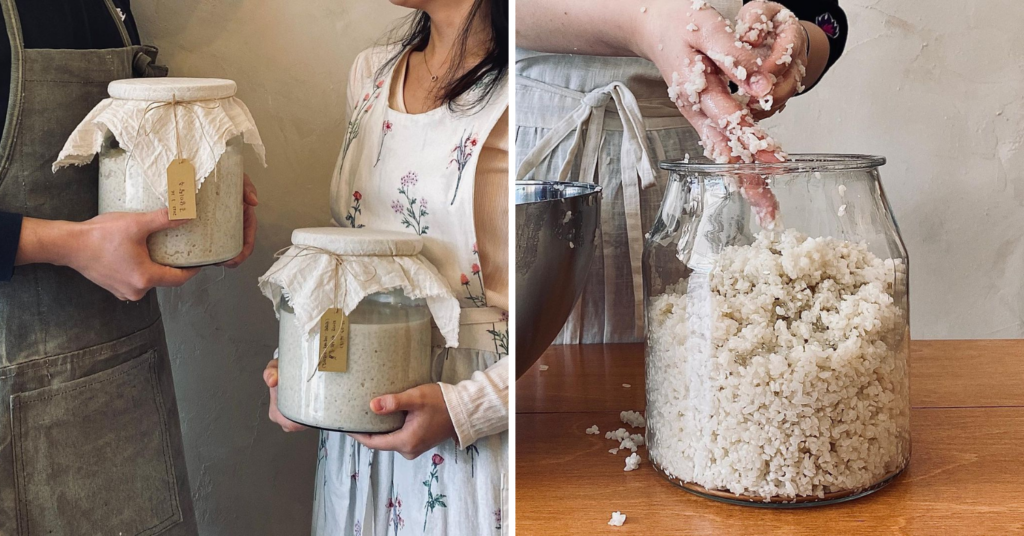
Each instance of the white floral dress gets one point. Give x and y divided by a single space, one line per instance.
416 173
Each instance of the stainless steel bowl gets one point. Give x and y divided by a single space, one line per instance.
556 234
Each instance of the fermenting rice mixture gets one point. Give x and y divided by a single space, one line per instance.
782 372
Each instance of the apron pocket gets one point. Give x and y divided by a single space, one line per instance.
92 456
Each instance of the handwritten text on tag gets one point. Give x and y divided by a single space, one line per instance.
333 341
181 190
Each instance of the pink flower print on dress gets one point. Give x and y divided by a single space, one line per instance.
461 155
362 108
385 129
355 210
433 501
394 506
413 210
478 300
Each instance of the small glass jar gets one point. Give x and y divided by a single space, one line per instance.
777 354
388 352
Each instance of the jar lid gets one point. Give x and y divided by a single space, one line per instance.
168 89
359 242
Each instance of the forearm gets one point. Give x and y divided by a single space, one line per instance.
46 241
478 407
589 27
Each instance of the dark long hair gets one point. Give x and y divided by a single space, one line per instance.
489 73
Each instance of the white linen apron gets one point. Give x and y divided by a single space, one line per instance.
619 112
416 173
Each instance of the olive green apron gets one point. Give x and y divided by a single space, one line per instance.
89 436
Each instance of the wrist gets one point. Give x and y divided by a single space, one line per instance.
819 49
44 241
645 32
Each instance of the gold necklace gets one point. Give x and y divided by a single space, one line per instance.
433 77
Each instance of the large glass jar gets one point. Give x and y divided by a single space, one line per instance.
388 352
777 353
148 125
214 236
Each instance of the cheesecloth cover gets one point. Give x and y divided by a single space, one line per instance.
153 119
338 267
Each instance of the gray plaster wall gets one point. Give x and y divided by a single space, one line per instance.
938 88
290 60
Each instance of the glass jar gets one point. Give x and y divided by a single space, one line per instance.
214 236
145 126
388 352
777 354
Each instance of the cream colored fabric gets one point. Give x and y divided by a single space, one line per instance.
490 202
479 406
314 281
154 133
401 171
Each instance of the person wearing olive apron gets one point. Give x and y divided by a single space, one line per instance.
90 441
593 106
428 155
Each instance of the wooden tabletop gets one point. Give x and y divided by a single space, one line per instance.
966 473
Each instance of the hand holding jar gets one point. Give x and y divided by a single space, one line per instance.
427 422
109 250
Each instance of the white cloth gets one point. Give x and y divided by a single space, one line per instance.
313 282
147 133
479 405
417 172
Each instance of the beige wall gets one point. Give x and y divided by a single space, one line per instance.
291 60
938 88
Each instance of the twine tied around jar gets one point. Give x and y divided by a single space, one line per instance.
174 104
339 264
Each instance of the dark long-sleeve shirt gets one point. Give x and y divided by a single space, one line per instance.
829 17
58 24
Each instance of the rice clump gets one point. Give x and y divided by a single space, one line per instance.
782 372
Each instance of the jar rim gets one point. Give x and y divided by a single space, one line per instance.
797 163
562 190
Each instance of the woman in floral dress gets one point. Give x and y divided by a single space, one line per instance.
426 152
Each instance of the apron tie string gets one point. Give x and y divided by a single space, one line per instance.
635 164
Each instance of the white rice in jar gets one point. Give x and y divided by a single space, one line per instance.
388 352
782 373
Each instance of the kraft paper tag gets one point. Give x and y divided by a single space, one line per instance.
333 341
181 190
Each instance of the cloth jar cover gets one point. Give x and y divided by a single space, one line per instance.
338 267
157 120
